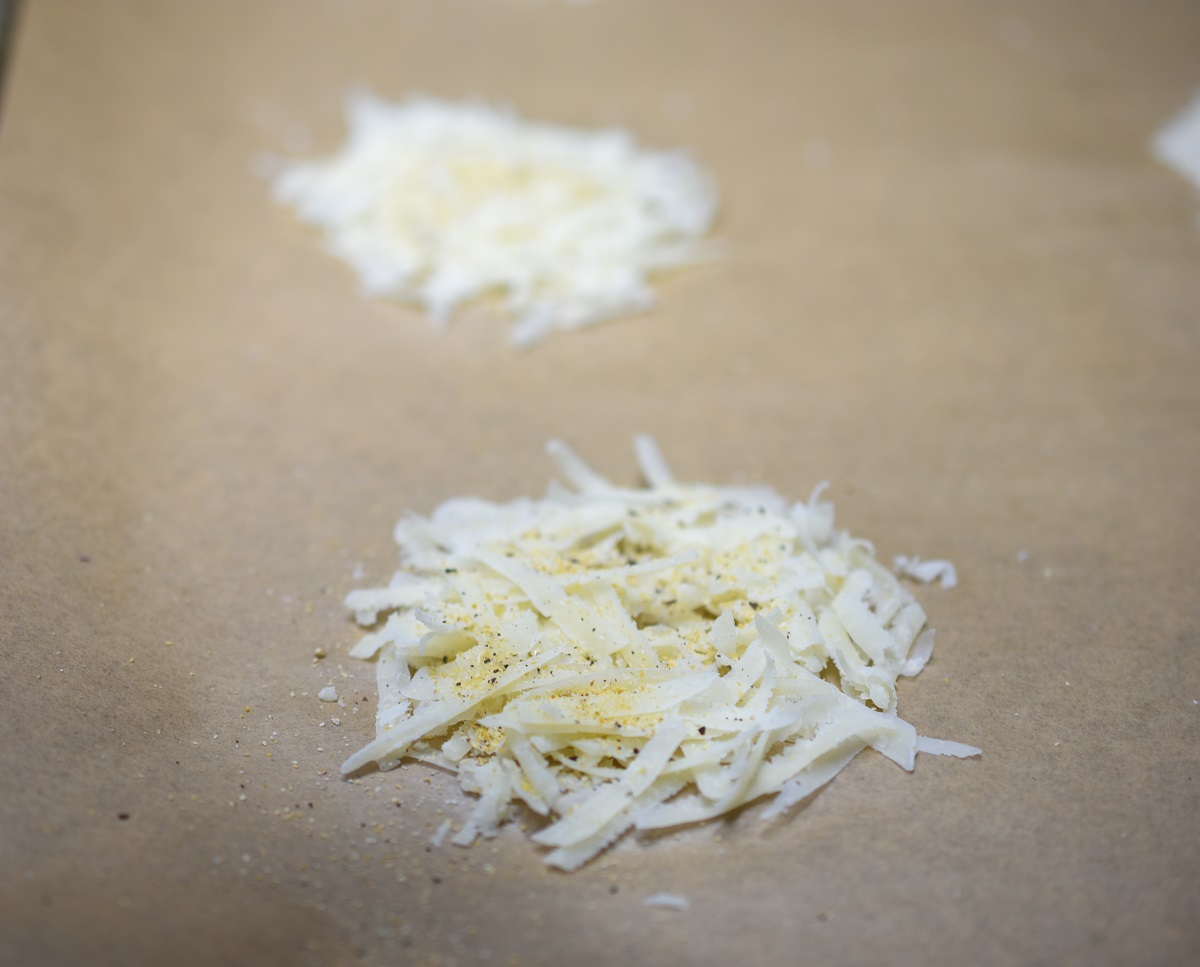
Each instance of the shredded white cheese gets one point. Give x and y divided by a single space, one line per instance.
619 658
439 203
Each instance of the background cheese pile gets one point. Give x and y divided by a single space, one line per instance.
439 203
1178 144
637 658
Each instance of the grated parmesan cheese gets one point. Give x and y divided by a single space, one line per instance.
440 203
618 658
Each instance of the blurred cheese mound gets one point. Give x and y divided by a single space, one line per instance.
438 203
1178 143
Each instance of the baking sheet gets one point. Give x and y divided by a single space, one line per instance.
958 288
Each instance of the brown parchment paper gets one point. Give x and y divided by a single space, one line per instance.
958 287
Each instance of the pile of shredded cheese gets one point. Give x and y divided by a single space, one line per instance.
620 658
440 203
1178 144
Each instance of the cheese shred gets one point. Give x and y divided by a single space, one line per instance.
621 659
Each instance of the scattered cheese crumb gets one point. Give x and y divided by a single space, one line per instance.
439 203
328 694
926 571
667 901
622 659
439 834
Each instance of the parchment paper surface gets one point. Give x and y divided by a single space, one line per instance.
958 287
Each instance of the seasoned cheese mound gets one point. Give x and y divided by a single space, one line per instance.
440 203
621 658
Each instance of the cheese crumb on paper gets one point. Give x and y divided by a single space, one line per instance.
440 203
637 658
668 901
941 571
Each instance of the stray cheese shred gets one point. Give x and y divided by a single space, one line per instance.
620 659
439 203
